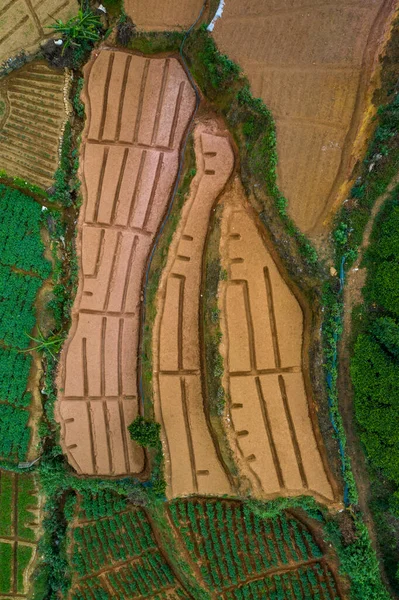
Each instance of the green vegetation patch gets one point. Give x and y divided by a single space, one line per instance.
23 269
18 528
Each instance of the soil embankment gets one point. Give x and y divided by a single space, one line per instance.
314 65
192 462
138 110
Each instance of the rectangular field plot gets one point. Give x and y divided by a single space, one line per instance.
19 523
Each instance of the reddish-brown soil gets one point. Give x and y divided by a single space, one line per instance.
138 110
153 15
23 23
312 63
31 122
262 323
192 463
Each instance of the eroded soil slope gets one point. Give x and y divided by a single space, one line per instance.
153 15
31 119
273 432
311 62
138 111
23 23
192 463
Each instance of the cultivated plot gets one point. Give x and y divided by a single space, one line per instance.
31 120
240 555
275 437
192 463
152 15
311 63
138 111
23 23
116 555
19 522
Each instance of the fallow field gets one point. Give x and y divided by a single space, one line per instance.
193 465
314 74
275 437
138 110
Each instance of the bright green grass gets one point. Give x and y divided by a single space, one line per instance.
24 555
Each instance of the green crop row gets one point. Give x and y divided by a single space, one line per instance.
233 543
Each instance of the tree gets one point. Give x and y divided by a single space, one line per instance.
145 433
84 29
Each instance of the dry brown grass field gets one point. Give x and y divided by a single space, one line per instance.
312 63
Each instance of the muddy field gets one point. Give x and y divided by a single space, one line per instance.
192 463
152 15
262 323
32 115
312 64
23 23
138 111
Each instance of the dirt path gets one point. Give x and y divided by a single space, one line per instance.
314 64
192 462
138 110
355 280
262 325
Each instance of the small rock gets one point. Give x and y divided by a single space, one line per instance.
333 272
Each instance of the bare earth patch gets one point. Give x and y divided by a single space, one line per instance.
192 462
31 122
138 110
23 23
269 421
153 15
312 64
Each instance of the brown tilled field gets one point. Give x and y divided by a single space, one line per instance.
138 111
152 15
31 122
311 63
23 23
192 463
273 437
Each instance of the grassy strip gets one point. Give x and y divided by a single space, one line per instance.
374 368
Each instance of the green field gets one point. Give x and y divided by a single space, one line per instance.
229 549
23 270
18 530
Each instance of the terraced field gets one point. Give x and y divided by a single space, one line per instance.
233 553
151 15
23 23
276 439
138 111
313 73
192 461
19 523
30 127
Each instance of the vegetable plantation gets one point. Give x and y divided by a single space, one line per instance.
231 549
18 530
23 269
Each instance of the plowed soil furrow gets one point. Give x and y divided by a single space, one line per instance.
29 137
152 15
193 464
126 193
23 23
274 437
315 65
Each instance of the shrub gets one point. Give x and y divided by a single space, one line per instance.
145 433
